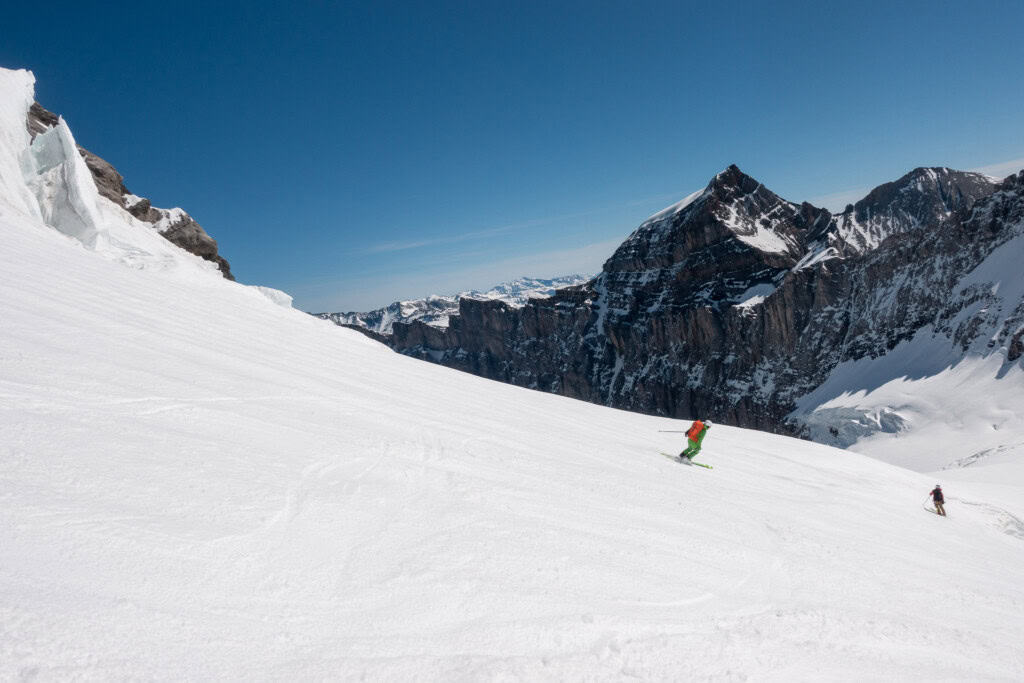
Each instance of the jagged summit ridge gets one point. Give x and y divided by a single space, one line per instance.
922 196
717 246
756 216
749 211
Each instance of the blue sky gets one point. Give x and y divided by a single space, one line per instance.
356 153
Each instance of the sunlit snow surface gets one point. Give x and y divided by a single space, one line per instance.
200 483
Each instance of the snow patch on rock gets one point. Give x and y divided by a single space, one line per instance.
760 233
755 295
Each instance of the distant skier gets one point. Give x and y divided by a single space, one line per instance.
695 437
937 498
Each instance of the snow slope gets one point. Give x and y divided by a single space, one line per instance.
932 406
197 482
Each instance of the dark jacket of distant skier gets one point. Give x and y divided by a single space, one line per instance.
939 500
695 437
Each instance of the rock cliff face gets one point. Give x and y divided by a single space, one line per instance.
174 224
735 302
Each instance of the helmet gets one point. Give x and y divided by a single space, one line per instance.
708 423
938 486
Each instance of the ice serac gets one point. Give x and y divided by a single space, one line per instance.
63 186
16 94
738 304
177 226
45 177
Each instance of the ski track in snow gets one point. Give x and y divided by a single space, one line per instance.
1001 519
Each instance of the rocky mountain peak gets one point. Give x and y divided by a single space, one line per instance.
755 215
927 187
732 178
734 215
923 196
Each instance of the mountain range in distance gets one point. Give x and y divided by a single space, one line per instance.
435 310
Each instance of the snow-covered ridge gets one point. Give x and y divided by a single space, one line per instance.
47 179
754 216
673 209
436 310
176 225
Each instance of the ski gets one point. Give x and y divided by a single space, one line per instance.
688 462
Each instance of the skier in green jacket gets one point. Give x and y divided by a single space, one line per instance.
695 437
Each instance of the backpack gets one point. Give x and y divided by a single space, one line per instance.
694 431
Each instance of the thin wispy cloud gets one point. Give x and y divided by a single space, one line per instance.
837 201
1001 170
389 247
326 294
